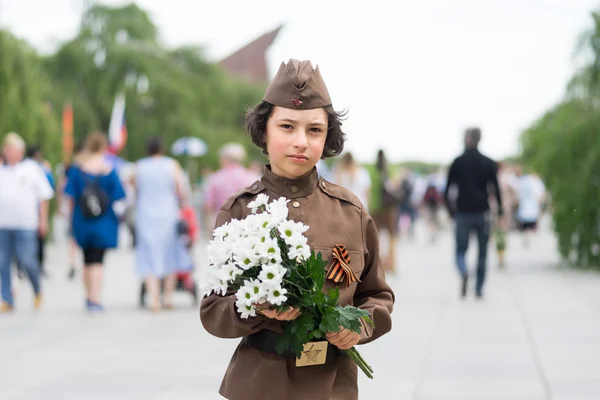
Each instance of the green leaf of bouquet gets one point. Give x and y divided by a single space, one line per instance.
369 320
285 342
330 320
334 295
315 266
349 317
309 301
316 334
296 333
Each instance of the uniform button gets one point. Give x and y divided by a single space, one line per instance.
294 189
254 187
295 204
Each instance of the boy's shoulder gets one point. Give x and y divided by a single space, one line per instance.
330 189
339 192
250 190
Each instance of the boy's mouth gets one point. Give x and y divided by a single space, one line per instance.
298 158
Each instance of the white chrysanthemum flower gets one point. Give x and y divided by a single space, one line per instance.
250 224
245 257
265 221
219 253
296 240
249 243
257 291
268 250
290 229
278 210
273 260
246 311
229 272
281 269
244 296
299 252
219 286
262 235
260 201
271 275
236 229
206 286
277 296
222 231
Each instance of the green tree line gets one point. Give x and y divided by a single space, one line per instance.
169 92
563 146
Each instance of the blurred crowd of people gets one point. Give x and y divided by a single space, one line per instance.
96 193
166 214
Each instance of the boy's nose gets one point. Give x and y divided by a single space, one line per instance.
301 141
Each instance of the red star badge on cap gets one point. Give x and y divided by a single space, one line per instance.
297 102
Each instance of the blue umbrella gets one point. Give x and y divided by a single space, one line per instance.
189 146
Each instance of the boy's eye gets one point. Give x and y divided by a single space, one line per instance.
316 130
287 126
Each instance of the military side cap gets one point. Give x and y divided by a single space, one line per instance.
298 85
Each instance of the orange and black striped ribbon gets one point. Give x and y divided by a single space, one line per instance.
340 269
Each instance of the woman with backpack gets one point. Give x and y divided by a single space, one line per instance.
94 187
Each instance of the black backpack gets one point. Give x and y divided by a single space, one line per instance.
94 201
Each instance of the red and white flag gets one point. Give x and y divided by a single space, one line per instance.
117 131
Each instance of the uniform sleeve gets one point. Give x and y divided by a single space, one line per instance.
218 313
373 293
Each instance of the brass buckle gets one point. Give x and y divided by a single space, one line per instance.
314 353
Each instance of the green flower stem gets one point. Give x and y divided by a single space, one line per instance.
293 284
360 362
363 360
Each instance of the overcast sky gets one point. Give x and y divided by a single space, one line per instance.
413 74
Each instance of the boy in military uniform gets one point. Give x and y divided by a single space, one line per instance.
296 126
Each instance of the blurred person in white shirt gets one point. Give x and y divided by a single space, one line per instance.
530 193
349 174
23 216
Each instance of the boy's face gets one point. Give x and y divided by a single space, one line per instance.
295 140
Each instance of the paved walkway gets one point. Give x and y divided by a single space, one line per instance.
535 336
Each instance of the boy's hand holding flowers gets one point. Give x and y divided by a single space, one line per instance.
344 339
288 315
265 258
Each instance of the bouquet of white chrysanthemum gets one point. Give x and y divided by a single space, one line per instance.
265 258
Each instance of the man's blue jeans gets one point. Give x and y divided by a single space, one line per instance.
479 224
22 245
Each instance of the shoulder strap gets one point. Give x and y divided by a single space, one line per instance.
253 189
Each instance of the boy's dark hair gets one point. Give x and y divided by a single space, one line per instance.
154 146
256 125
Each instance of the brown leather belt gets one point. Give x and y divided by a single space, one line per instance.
266 341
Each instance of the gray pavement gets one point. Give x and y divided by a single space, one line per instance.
536 335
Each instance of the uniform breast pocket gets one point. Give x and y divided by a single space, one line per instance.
355 259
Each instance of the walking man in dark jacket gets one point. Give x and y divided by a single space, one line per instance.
473 174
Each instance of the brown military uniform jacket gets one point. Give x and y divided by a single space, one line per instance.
335 216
